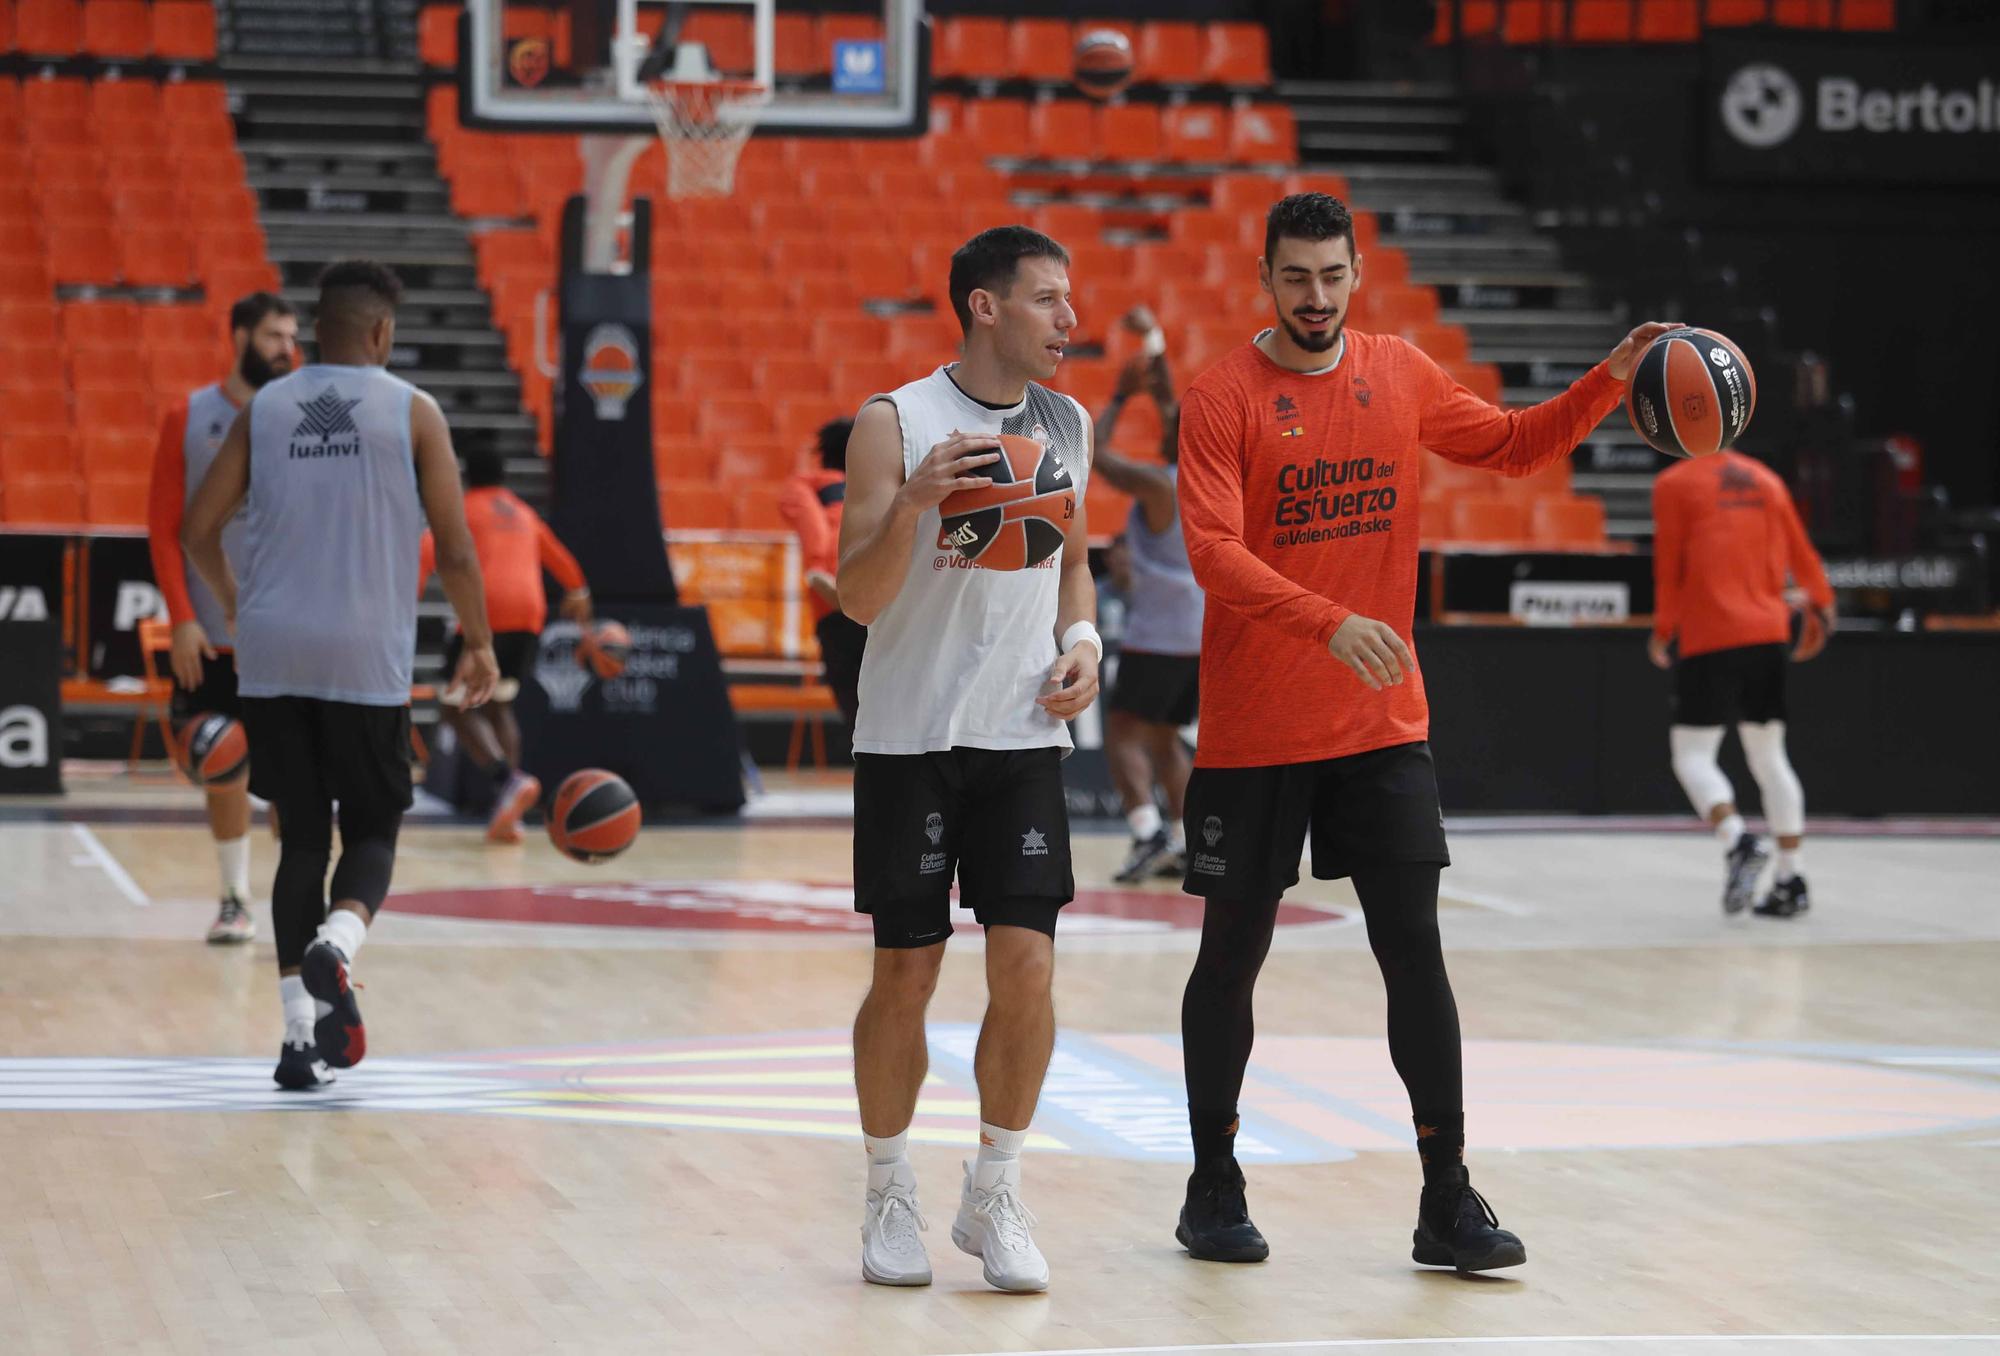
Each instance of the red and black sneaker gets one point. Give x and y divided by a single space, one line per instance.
340 1035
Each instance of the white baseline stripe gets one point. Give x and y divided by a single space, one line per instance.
1348 1343
102 856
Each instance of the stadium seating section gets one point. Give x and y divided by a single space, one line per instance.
118 262
120 30
1623 21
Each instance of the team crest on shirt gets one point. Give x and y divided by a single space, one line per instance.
1286 409
1361 391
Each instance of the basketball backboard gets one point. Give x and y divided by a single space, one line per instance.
580 65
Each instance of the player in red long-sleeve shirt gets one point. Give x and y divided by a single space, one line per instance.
514 547
1726 536
813 502
1299 491
264 330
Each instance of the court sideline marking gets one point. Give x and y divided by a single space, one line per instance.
101 855
1350 1343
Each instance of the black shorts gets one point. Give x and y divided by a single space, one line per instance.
514 649
1164 689
1723 687
306 750
217 692
996 817
1246 826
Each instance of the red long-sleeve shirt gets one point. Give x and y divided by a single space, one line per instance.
1299 502
1726 534
813 510
514 547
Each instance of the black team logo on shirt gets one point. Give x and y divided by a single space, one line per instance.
1739 488
1327 500
1286 409
325 415
1361 392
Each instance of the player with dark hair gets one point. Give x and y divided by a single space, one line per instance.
263 329
812 502
335 468
968 679
1159 660
514 547
1725 537
1300 455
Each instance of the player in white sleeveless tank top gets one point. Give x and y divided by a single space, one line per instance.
263 329
339 465
968 677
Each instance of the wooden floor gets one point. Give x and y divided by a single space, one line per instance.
608 1110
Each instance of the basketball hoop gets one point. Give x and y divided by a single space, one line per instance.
704 125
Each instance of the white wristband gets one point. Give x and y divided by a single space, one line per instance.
1078 634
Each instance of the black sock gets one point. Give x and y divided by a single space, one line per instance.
500 771
1441 1146
1214 1134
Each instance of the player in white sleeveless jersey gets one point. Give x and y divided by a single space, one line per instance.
336 467
967 681
264 331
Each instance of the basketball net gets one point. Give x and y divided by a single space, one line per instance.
700 124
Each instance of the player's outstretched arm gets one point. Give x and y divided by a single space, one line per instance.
878 524
1459 426
215 501
457 558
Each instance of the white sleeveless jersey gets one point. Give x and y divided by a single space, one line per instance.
327 606
960 655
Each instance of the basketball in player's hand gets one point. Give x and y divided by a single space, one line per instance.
1691 393
605 648
1019 520
212 750
1103 62
594 816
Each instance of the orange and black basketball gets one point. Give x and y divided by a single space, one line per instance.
595 816
1103 62
605 648
212 749
1019 520
1691 393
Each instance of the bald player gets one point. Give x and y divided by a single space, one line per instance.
336 468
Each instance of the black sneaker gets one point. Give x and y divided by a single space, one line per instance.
1788 899
300 1069
1215 1223
340 1036
1144 859
1457 1228
1746 862
1173 866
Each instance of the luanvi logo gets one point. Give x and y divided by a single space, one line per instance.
322 417
1285 408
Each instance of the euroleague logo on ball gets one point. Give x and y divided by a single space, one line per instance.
1761 105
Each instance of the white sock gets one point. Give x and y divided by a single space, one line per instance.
346 930
887 1149
1177 835
300 1009
1144 819
233 856
1728 831
1791 862
999 1146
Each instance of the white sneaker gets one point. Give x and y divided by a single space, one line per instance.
233 924
993 1226
891 1252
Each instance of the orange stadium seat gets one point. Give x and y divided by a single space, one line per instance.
195 99
1670 21
687 459
1064 129
729 38
116 501
31 455
1600 21
836 336
1040 49
795 46
998 127
488 189
847 28
1734 13
757 510
694 504
1444 343
1802 13
1244 193
180 370
48 27
741 416
64 98
1567 520
854 381
122 407
26 321
1487 518
99 324
42 500
672 416
1130 132
25 278
799 418
717 375
1197 133
1868 16
84 254
156 259
30 369
972 48
789 376
437 36
757 459
115 99
1263 134
1170 52
201 132
184 30
117 28
1071 223
1237 54
44 409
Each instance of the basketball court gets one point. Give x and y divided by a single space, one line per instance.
610 1109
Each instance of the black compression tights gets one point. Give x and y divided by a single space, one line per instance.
1399 903
298 894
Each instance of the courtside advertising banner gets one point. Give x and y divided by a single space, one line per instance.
1836 111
